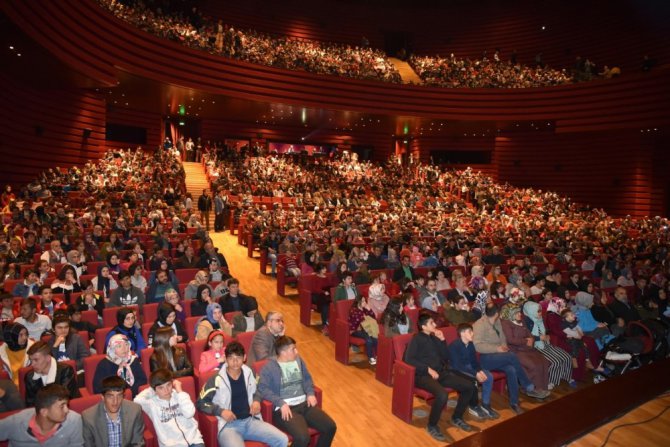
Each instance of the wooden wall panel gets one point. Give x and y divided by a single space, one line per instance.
45 128
612 170
150 121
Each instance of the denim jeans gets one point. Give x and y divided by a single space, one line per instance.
273 262
508 363
487 388
370 343
234 433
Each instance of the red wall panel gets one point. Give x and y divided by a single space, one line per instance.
613 170
45 128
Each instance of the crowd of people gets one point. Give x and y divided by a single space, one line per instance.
128 215
537 285
204 33
453 72
193 29
492 257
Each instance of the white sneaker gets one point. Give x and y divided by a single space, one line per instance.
373 361
617 357
550 386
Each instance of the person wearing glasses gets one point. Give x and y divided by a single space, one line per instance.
262 345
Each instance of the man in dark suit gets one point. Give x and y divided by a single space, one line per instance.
113 411
47 370
404 271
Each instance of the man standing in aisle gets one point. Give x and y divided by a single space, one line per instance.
219 208
204 206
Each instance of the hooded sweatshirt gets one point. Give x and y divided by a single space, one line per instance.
174 420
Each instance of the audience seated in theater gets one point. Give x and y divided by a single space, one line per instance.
429 354
65 343
165 396
35 323
47 370
249 319
14 350
114 418
262 345
560 364
346 290
214 356
120 361
51 416
463 359
203 298
294 402
238 419
128 326
212 321
395 319
491 343
167 317
363 324
167 355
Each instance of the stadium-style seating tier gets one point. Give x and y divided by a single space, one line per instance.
71 31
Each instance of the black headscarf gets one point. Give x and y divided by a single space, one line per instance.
10 333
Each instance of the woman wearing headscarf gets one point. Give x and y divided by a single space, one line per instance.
167 317
120 361
212 321
104 282
377 298
521 342
127 325
13 353
591 327
515 301
250 319
560 362
203 298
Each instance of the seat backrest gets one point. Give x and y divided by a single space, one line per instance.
245 338
90 365
400 343
258 366
145 356
91 316
185 275
145 331
150 312
196 348
342 309
109 314
230 315
450 333
80 404
23 372
100 338
190 325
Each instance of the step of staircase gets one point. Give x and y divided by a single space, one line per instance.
407 74
196 178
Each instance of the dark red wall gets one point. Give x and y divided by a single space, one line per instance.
45 128
614 170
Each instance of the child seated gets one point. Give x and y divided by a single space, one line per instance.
574 334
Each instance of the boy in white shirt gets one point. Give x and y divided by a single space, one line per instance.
171 411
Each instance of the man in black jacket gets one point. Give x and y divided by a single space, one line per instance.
428 353
404 271
47 370
205 206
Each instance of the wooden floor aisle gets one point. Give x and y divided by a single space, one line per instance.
360 405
